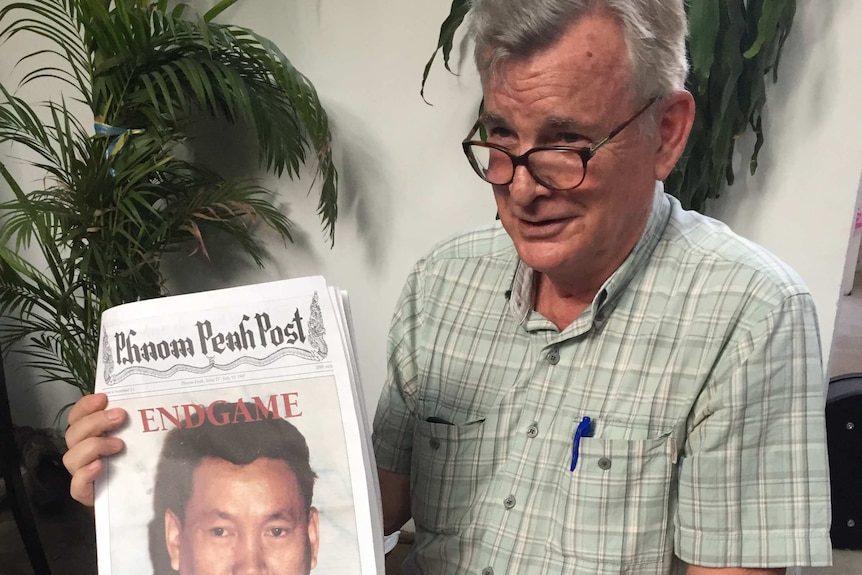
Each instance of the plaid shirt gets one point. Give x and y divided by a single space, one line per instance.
699 365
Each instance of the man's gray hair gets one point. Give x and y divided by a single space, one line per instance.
654 30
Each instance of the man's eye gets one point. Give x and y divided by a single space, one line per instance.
277 531
571 138
218 531
498 134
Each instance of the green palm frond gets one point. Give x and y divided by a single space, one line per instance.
229 72
58 22
115 203
57 328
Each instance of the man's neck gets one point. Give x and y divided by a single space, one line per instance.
560 305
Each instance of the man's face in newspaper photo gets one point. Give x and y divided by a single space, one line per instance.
243 519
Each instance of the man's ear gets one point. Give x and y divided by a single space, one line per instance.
674 126
313 534
173 526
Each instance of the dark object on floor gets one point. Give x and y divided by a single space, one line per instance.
16 496
395 557
844 436
45 478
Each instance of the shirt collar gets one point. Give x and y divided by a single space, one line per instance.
520 295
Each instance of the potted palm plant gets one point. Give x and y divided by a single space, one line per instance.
118 196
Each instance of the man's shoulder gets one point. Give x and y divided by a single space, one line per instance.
469 266
470 262
701 243
488 242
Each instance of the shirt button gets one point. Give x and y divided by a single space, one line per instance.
604 463
488 571
509 502
434 443
553 356
532 431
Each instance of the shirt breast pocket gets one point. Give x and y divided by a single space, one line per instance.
445 473
617 508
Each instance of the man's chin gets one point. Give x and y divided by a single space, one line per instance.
545 257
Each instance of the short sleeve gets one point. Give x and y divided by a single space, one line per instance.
394 419
753 476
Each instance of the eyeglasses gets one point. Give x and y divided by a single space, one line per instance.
558 168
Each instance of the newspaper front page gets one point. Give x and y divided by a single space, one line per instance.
247 445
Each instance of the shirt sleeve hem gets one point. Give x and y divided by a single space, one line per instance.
390 459
755 550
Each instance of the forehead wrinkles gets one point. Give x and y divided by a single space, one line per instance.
525 93
589 63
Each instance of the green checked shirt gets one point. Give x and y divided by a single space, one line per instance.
699 365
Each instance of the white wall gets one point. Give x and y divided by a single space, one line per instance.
405 184
801 202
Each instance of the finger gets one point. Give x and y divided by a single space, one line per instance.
90 450
94 425
87 405
82 487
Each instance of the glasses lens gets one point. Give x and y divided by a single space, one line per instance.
492 165
559 169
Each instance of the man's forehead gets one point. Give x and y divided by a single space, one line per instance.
218 477
217 510
554 123
591 55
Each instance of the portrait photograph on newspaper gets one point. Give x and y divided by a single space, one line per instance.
246 443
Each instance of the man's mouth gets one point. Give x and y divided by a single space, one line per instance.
543 228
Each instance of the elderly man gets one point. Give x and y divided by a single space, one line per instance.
603 382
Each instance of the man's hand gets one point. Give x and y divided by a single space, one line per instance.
89 421
395 492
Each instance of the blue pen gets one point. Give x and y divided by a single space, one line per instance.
585 429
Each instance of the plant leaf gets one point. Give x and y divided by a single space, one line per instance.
218 9
456 16
767 25
704 19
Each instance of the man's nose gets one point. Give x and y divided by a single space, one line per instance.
524 189
249 557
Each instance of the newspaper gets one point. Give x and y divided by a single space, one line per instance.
223 390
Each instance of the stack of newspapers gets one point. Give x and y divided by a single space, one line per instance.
247 440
